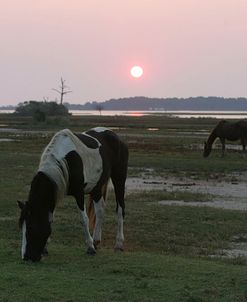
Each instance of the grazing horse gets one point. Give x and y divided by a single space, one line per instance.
75 164
231 131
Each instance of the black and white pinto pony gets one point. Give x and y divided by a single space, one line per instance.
75 164
226 130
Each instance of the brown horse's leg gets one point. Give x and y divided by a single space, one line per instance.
243 142
223 146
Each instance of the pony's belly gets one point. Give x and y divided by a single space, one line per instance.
89 186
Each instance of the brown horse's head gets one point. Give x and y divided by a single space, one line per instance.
207 149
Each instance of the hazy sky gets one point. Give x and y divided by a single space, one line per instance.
186 48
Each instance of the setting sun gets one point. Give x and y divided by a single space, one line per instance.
136 71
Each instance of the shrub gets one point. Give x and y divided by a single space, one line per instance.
40 110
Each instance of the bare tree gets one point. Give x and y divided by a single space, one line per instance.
63 90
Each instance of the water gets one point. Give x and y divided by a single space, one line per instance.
180 114
6 111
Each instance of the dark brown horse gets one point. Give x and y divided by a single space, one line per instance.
226 130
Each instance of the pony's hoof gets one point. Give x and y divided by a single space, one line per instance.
96 244
91 251
118 248
119 245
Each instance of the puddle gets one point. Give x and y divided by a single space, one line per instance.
237 249
9 130
228 194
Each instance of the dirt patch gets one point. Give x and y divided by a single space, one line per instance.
235 251
230 193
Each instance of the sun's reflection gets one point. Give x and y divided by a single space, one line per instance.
136 113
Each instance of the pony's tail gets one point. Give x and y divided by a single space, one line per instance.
90 209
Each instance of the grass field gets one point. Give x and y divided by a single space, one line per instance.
168 249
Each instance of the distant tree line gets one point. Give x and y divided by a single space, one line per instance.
169 104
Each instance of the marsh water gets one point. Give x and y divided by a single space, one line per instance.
181 114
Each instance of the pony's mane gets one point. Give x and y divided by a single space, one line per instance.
42 197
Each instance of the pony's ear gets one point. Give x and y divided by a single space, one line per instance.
20 204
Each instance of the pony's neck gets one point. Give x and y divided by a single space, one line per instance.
212 137
43 192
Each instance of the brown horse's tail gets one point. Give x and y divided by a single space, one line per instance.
90 208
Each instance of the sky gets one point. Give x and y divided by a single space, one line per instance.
186 48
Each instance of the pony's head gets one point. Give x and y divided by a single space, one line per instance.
36 217
36 229
207 149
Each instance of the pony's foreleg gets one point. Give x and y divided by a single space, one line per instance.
45 250
88 237
85 224
99 212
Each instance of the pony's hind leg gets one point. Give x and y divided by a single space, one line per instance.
118 177
98 197
119 188
119 245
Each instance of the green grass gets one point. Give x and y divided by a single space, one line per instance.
72 276
167 248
